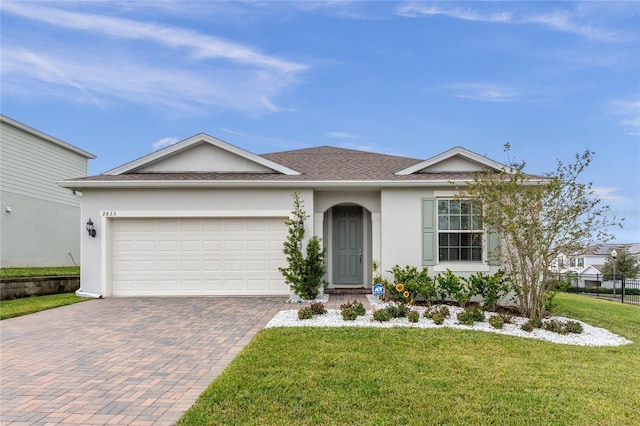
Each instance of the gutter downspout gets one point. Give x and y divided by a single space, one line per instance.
81 293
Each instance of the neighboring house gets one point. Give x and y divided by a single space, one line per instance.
38 219
203 217
586 267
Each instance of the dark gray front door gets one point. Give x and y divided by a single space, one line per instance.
347 245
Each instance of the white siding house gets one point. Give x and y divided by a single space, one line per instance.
39 220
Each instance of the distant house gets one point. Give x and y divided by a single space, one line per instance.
204 217
39 220
586 267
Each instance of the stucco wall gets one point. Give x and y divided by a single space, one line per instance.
177 202
401 225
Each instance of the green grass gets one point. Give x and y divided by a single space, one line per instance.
39 272
375 376
30 305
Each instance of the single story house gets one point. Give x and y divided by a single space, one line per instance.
38 219
204 217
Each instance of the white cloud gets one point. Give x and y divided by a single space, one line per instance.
629 110
163 143
483 92
180 70
200 45
414 10
608 194
566 20
187 89
340 135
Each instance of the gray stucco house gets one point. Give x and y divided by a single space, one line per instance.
203 217
39 220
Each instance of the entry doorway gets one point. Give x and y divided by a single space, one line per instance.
347 257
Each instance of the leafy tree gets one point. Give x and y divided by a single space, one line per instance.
537 217
303 274
627 265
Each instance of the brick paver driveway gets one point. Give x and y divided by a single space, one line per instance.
121 360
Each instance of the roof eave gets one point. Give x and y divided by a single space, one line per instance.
98 184
42 135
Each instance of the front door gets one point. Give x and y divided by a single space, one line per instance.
347 245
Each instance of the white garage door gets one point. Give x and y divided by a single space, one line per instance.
212 256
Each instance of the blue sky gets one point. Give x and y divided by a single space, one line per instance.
121 79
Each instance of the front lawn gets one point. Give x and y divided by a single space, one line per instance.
30 305
375 376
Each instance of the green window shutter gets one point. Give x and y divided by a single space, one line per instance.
428 231
493 247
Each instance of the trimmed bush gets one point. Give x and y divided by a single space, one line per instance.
348 314
318 308
470 315
305 313
496 321
381 315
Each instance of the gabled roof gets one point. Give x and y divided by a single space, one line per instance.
602 249
27 129
466 161
319 167
591 270
201 139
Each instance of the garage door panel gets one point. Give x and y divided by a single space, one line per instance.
231 256
212 245
231 225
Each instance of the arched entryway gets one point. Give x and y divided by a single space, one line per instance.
347 235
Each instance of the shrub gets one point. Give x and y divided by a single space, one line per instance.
414 284
356 306
437 318
450 285
305 313
574 327
381 315
506 318
318 308
413 316
563 327
491 287
398 310
527 326
496 321
536 322
554 326
470 315
304 274
442 310
348 314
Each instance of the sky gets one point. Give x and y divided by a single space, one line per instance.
123 79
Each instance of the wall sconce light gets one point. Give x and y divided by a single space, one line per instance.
91 229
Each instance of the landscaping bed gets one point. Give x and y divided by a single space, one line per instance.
590 335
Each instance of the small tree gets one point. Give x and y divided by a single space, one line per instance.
536 218
627 265
303 274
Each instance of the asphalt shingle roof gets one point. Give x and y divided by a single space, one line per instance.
322 163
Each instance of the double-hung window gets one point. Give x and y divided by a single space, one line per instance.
460 233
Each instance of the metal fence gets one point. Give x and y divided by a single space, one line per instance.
609 287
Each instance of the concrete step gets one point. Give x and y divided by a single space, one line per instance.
348 290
